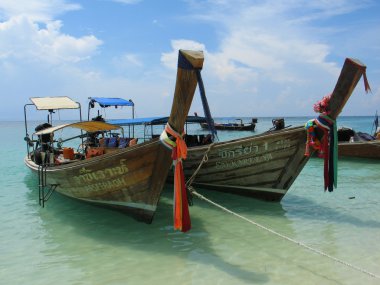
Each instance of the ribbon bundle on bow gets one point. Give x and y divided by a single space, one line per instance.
327 146
312 140
179 151
330 151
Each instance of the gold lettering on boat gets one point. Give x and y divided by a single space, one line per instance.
282 144
83 170
87 176
231 164
238 151
118 183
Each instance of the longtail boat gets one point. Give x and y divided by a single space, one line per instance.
128 178
238 126
358 144
360 149
263 166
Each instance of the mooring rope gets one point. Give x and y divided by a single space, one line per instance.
204 160
195 193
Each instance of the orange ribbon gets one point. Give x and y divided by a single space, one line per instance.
180 207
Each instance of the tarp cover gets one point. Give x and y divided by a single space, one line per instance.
90 126
106 102
54 103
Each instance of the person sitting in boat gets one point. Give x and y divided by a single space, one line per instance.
98 118
278 124
93 137
43 145
43 140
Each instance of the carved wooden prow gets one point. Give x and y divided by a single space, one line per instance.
350 75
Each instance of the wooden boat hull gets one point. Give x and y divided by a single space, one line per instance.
361 149
126 179
262 166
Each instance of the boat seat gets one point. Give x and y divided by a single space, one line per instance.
124 142
103 142
112 142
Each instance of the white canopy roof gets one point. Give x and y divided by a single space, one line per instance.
54 103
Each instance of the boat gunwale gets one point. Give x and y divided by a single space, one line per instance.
85 162
253 137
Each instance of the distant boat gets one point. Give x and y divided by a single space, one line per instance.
238 126
128 178
358 144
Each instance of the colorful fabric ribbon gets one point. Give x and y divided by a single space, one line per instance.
179 151
330 145
312 140
327 148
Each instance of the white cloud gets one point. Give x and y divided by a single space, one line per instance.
35 52
267 47
36 58
271 57
219 65
170 59
21 38
128 60
35 10
30 33
262 37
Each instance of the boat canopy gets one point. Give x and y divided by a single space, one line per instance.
90 126
54 103
131 122
153 121
189 119
107 102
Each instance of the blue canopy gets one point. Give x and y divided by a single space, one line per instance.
106 102
129 122
152 121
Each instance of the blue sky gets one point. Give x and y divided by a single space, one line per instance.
262 58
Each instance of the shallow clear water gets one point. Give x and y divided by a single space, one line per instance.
69 242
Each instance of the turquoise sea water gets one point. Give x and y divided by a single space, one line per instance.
69 242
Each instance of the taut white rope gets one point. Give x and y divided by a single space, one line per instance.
195 193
